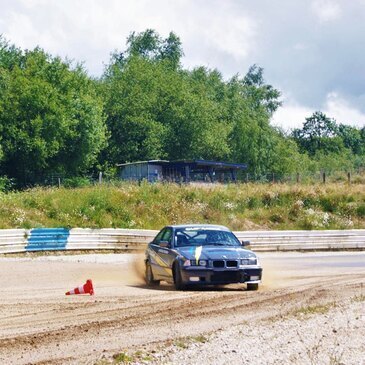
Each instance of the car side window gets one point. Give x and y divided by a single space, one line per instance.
159 237
167 235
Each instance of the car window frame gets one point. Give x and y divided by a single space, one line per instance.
167 229
159 236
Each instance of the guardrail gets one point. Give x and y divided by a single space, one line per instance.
51 239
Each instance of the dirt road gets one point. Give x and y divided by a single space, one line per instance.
40 325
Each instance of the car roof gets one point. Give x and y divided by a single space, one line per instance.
209 226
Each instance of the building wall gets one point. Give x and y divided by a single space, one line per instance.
140 171
134 172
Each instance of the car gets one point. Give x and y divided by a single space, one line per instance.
200 254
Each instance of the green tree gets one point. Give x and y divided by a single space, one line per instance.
352 139
51 118
250 105
158 111
319 133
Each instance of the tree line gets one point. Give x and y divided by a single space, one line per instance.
56 119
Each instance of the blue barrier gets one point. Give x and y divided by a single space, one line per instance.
45 239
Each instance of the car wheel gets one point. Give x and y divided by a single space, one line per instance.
252 286
179 285
149 276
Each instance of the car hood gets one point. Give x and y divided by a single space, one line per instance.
214 253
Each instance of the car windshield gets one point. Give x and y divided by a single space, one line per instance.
191 236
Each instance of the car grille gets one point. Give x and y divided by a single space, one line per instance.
218 263
225 263
225 276
231 263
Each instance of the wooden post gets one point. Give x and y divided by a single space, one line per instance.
100 177
349 177
298 178
59 182
323 177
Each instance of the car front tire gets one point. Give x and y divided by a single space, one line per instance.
150 281
179 284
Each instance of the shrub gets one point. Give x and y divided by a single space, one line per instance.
6 184
76 182
360 211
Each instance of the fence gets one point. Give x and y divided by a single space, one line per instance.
52 239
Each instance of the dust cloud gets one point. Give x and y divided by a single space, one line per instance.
272 276
138 266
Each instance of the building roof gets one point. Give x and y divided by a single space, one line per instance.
192 163
151 162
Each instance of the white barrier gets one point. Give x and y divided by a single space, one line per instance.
21 240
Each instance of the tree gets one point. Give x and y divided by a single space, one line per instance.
158 111
318 133
149 45
260 94
51 118
352 139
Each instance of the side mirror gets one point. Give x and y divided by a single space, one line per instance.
245 243
164 244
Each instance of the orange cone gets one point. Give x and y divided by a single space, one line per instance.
84 289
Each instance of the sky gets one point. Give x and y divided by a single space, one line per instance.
313 51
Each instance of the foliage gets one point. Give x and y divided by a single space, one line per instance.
6 184
331 146
51 119
240 207
75 182
56 119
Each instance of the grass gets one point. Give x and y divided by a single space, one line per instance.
359 298
183 342
314 309
151 206
123 358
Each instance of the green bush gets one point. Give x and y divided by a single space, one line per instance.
146 206
361 211
76 182
6 184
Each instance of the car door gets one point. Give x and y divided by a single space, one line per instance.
159 255
166 254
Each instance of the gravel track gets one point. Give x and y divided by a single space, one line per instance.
40 325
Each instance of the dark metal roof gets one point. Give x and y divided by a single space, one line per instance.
207 163
150 162
191 163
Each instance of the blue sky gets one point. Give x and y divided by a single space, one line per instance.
311 50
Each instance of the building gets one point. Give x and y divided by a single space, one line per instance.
180 171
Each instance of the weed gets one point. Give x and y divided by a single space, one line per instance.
359 298
200 338
182 343
241 206
122 358
315 309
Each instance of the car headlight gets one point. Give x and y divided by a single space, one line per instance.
195 263
187 263
249 261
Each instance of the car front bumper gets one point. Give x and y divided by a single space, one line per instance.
209 276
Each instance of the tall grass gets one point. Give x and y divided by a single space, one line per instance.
241 206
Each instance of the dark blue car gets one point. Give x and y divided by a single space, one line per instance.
187 255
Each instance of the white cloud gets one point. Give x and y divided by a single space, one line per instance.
298 57
91 29
292 114
326 10
342 111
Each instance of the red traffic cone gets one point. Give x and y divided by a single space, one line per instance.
84 289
